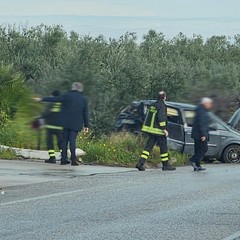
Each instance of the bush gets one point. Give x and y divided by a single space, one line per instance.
7 154
121 149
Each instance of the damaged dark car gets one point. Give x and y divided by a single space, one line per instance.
224 143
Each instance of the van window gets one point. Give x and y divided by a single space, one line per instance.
173 116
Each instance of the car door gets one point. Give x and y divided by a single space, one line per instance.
175 129
188 117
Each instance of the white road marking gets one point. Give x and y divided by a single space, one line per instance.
40 197
235 236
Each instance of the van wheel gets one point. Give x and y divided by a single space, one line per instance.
231 154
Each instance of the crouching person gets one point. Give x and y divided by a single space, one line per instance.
155 125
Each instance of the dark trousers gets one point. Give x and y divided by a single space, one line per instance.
200 150
50 133
161 141
69 137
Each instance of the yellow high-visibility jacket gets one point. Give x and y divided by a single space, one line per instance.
156 119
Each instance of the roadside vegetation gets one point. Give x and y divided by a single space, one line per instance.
121 149
37 60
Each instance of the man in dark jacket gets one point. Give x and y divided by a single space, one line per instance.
200 133
74 116
52 117
155 125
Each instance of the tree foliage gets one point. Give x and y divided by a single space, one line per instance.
118 71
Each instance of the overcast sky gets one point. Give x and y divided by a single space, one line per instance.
217 10
161 8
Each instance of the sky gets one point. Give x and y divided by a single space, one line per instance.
115 17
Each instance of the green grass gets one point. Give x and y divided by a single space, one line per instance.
7 154
121 149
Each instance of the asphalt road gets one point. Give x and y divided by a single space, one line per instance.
124 206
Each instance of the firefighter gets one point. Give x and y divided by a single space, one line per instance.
53 127
155 125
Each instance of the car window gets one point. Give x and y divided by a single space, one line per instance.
173 116
189 117
216 123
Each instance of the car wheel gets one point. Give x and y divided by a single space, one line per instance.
231 154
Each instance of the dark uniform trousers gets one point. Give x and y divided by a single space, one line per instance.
161 141
69 136
50 134
200 150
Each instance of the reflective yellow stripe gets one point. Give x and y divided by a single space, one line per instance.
162 124
144 156
146 153
164 159
153 130
164 155
56 107
51 151
53 127
153 119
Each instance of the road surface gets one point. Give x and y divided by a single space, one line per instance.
123 205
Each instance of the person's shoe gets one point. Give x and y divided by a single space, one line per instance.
51 160
65 162
194 165
140 167
168 167
74 163
200 169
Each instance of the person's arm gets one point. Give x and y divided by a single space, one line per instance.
202 124
86 115
162 117
53 99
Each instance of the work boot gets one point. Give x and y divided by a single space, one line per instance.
167 166
51 160
140 167
74 163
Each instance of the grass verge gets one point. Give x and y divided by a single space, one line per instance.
121 149
7 154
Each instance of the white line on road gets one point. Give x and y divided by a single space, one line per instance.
235 236
41 197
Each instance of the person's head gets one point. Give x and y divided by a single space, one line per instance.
56 93
77 86
207 103
162 96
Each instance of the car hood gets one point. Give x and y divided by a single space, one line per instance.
235 120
